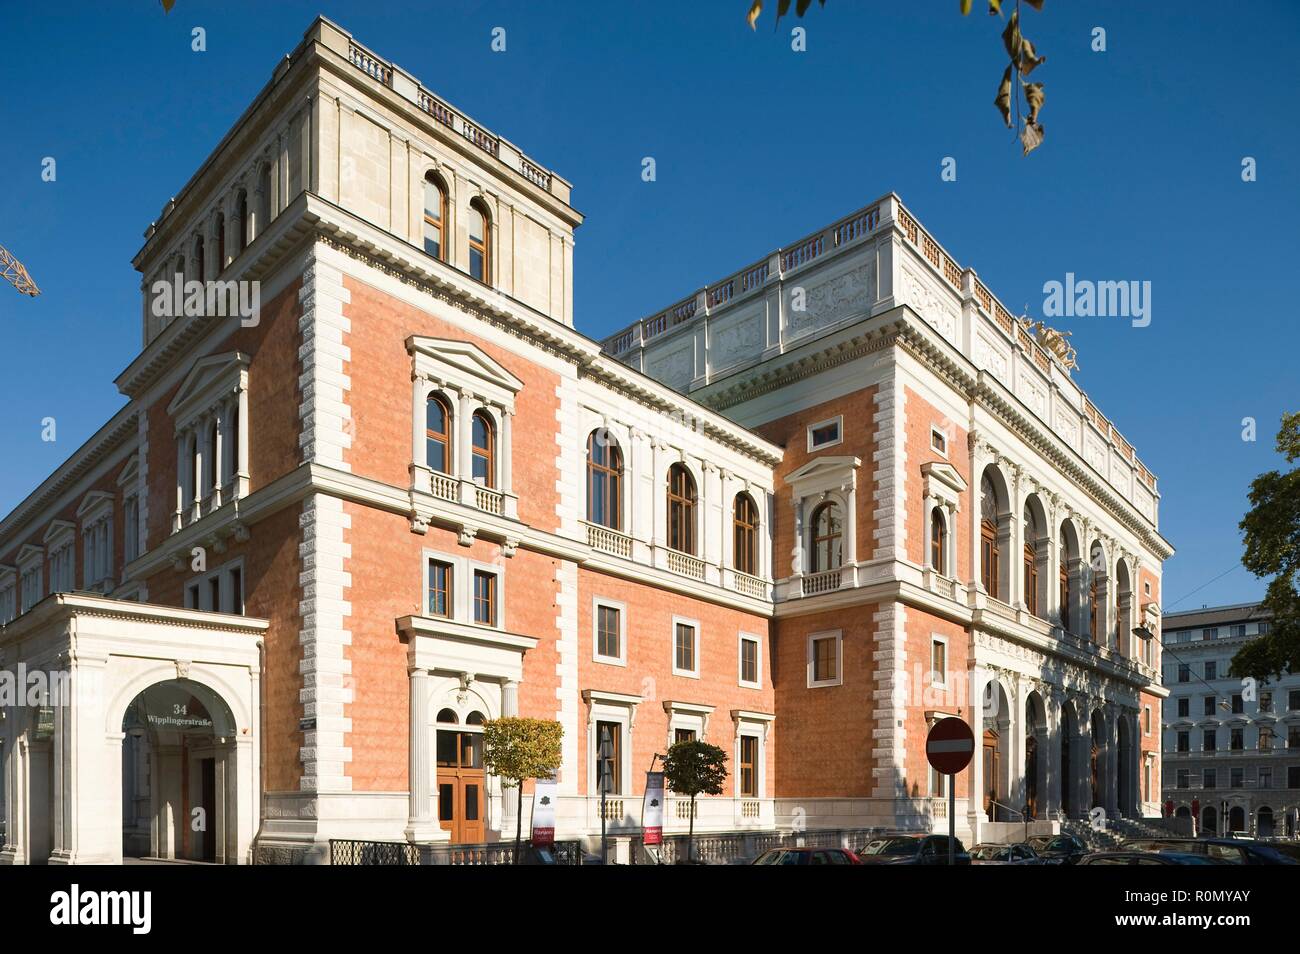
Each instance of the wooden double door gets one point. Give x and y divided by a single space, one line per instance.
462 798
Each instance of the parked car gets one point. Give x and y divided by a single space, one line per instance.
1146 858
1017 854
912 849
807 856
1235 851
1058 849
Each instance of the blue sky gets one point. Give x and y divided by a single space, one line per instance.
755 145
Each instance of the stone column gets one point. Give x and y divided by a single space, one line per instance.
464 445
507 462
218 454
420 824
1049 755
420 469
512 798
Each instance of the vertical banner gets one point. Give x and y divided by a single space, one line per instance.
652 809
544 813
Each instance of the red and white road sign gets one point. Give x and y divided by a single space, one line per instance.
950 745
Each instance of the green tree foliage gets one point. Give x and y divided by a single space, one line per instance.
695 768
1272 529
515 749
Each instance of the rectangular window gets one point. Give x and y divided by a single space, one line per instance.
1293 776
440 593
1238 630
1184 742
824 660
1237 778
1184 708
192 596
1210 741
237 590
938 662
1265 739
1211 633
1211 670
609 632
1237 740
1184 778
749 673
485 597
1293 737
824 434
1266 702
1293 699
1208 704
1238 704
609 757
1210 778
1146 720
1184 672
938 441
683 735
1266 778
214 594
684 650
748 766
131 528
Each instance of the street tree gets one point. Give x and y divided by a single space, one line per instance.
695 768
515 749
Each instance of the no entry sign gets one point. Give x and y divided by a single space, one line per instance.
950 745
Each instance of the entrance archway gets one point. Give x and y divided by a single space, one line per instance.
1236 818
1264 823
1124 769
1067 769
462 781
178 774
1035 753
1096 754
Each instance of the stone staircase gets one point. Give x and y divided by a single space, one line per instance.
1116 832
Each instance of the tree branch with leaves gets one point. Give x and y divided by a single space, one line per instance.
1024 59
515 749
1272 539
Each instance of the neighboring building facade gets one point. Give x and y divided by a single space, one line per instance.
1232 746
321 544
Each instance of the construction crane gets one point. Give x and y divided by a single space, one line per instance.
15 274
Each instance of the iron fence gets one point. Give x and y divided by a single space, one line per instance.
350 852
742 847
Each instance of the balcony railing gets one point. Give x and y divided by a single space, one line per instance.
489 500
823 582
685 564
749 585
444 487
608 540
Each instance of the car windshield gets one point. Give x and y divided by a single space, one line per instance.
779 857
1061 844
1039 842
990 853
893 846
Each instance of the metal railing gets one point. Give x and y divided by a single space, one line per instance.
396 853
742 847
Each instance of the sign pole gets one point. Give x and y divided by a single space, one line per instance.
952 821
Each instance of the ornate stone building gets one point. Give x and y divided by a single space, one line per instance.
800 514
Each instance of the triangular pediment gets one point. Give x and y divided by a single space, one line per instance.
822 467
945 473
206 373
461 360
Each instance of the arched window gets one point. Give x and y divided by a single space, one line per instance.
221 244
475 718
1094 614
435 216
484 447
681 509
479 243
210 462
1030 562
263 199
448 716
745 530
938 540
990 552
200 260
437 434
827 537
1065 594
241 225
604 479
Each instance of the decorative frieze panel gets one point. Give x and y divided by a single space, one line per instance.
934 306
736 337
992 358
1033 393
814 306
674 368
